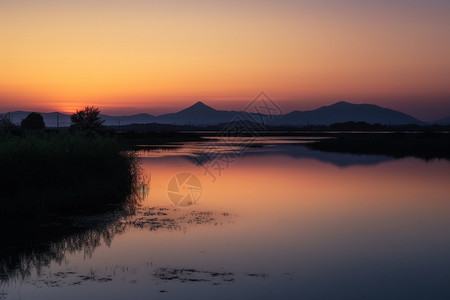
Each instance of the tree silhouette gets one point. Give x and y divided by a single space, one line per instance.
33 121
6 124
88 118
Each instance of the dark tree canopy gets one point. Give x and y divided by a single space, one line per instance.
88 118
33 121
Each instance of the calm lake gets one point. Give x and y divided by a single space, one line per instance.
270 219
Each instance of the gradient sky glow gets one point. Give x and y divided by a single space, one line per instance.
157 56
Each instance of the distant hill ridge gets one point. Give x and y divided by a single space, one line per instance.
444 121
200 114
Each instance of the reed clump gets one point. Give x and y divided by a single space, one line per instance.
67 172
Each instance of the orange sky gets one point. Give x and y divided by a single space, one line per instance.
158 56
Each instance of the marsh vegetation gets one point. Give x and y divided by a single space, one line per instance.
64 172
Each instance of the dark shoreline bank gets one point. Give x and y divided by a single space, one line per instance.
422 145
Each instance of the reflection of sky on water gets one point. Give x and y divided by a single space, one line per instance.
261 146
293 224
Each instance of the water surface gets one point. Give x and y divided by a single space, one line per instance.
275 221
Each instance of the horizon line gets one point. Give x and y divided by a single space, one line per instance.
202 102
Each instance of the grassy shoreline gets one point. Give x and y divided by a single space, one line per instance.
65 173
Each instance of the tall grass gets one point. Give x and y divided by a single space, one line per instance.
44 173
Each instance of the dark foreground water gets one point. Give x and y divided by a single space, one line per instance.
271 220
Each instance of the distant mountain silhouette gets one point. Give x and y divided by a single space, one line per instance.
201 114
196 109
197 114
444 121
126 120
341 112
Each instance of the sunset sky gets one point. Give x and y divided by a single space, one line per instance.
149 56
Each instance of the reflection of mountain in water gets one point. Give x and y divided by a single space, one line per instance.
296 151
300 151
